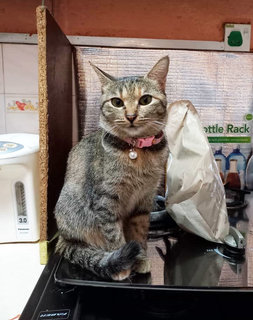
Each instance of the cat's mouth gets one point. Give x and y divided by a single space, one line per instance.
134 131
136 128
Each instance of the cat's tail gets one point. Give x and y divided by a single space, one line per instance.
114 265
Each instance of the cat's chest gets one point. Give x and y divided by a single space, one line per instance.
144 162
138 183
126 175
134 180
142 172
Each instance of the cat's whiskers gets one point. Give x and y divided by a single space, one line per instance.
113 129
119 121
150 120
120 124
155 126
158 122
144 119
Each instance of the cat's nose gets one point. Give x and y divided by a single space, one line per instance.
131 117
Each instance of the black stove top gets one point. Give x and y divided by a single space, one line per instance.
187 261
190 277
52 299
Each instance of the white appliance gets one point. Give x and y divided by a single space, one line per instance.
19 187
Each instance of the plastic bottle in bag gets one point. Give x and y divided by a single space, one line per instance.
219 155
241 164
219 165
233 178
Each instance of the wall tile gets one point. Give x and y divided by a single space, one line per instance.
20 68
2 114
22 122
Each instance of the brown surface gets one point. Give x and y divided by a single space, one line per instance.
55 112
19 16
189 20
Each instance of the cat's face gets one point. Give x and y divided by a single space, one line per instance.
134 106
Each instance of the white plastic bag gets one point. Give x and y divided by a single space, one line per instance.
195 196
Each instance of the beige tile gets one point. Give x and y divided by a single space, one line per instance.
20 68
1 70
22 122
2 114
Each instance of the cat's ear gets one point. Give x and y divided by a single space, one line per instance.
104 77
159 72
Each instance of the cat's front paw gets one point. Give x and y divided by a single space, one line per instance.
142 266
121 275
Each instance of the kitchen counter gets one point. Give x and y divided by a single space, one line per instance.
20 270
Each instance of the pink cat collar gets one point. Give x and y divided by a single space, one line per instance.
145 142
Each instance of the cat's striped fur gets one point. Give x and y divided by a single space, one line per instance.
103 209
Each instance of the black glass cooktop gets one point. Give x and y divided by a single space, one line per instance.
187 261
190 277
180 259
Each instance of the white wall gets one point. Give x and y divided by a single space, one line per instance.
18 88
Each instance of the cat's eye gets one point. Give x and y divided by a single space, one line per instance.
117 102
146 99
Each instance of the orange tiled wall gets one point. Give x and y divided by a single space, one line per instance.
167 19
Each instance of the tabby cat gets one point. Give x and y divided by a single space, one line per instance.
112 177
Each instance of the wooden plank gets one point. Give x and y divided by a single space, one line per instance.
55 115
